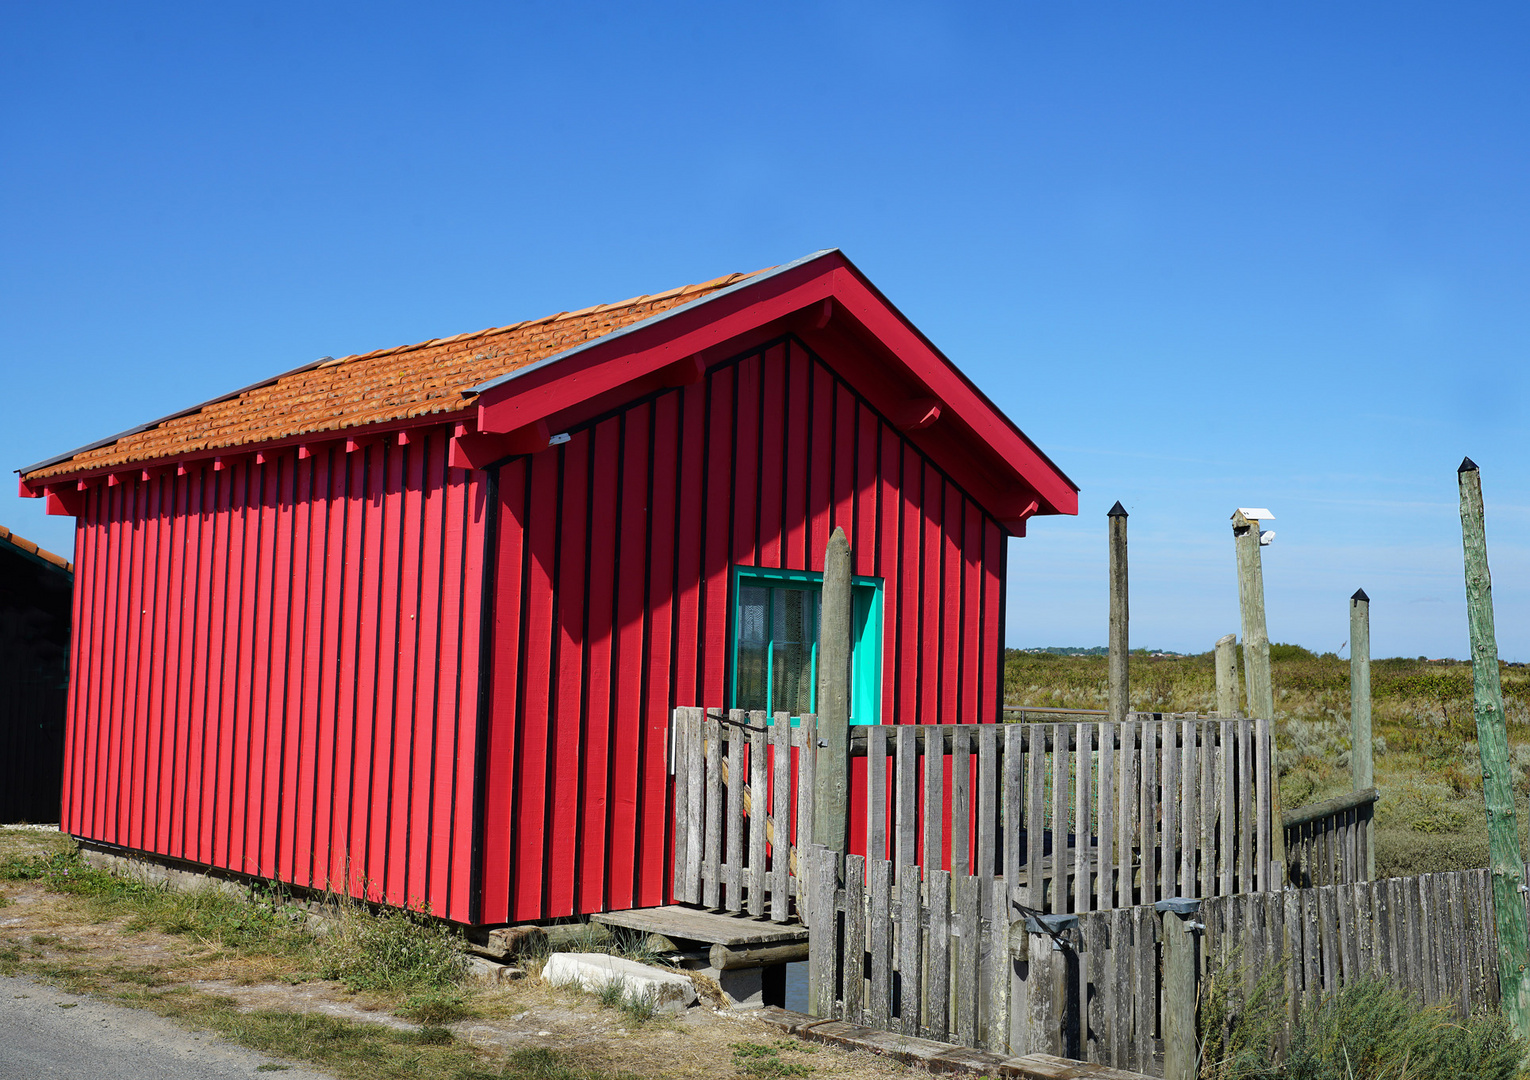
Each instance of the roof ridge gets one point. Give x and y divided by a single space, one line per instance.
593 309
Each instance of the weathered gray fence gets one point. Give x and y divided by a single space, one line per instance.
954 959
1078 816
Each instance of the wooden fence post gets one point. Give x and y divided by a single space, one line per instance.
1227 676
1493 744
831 814
1360 749
1181 1059
1120 649
1256 659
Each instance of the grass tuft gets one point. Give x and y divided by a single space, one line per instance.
436 1007
393 950
540 1063
763 1060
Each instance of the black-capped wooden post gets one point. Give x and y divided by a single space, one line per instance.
831 797
1493 745
1227 676
1181 1059
1256 661
1361 773
1120 637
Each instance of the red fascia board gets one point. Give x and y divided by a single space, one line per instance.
560 384
960 400
39 485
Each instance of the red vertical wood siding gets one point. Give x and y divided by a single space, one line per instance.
612 602
276 670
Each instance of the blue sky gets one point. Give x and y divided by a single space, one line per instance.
1207 255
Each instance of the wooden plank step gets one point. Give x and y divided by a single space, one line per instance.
937 1057
695 924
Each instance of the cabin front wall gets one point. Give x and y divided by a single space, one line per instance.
611 605
275 668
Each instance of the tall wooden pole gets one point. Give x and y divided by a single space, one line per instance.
1256 641
1256 658
1227 675
1361 773
1120 615
1493 744
831 810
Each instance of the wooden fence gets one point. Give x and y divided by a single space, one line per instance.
1327 843
1077 816
955 959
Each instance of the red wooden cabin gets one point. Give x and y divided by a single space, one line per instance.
411 623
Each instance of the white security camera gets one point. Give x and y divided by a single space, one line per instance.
1267 538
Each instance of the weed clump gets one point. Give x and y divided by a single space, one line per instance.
1370 1031
1241 1018
540 1063
638 1007
764 1061
393 950
436 1008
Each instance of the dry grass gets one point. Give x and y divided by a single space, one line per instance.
1427 770
244 969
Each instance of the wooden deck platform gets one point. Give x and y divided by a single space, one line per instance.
676 921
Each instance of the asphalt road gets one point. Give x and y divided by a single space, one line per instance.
46 1034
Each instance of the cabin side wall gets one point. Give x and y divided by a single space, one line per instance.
275 669
611 606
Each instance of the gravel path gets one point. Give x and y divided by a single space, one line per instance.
46 1034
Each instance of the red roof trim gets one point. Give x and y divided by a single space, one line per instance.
561 382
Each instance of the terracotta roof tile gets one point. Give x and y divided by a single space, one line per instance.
8 537
397 383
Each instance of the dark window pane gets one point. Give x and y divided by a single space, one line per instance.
750 693
753 609
792 679
796 618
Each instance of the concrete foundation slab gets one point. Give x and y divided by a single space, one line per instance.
671 991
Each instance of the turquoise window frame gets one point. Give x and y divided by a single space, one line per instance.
866 636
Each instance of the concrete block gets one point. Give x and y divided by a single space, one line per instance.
671 991
743 988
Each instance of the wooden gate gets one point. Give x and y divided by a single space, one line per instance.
1076 816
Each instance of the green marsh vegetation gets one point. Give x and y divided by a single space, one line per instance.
1427 770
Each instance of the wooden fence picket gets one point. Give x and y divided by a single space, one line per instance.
781 819
1082 827
852 963
937 982
759 800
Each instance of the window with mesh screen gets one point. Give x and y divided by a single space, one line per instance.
775 643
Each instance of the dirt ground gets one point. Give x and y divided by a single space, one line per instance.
58 939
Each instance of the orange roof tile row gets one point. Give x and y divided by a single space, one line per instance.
8 537
384 385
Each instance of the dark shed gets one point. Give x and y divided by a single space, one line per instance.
36 590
